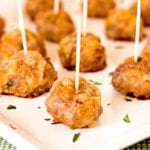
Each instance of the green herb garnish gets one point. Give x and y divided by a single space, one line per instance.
108 104
119 47
9 83
12 126
139 59
11 107
95 82
47 119
39 107
126 119
111 73
128 99
76 137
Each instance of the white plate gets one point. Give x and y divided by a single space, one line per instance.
111 132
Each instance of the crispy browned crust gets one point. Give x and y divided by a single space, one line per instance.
76 109
121 25
33 7
11 43
100 8
93 56
145 11
133 78
27 75
54 27
2 26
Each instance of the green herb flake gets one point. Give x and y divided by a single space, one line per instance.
119 47
47 119
139 59
128 99
9 83
75 137
10 107
111 73
39 107
126 119
95 82
108 104
12 126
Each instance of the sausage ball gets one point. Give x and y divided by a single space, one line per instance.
145 11
121 25
133 78
33 7
76 109
54 26
100 8
93 56
11 43
2 26
146 51
27 75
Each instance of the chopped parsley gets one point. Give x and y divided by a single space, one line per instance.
111 73
9 83
39 107
95 82
119 47
12 126
126 119
75 137
10 107
128 99
47 119
108 104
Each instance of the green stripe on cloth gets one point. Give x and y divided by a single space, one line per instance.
5 145
144 145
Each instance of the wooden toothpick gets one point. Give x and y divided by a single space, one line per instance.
56 6
22 26
137 34
85 13
78 47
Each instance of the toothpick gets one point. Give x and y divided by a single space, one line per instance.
85 13
56 6
22 26
78 47
137 34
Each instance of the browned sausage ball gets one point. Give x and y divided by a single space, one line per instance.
53 26
33 7
146 51
26 75
145 10
121 25
133 78
100 8
11 43
93 56
2 26
76 109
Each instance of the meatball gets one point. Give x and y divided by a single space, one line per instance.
76 109
145 10
33 7
2 26
133 78
93 57
26 75
11 43
121 25
100 8
146 51
53 26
